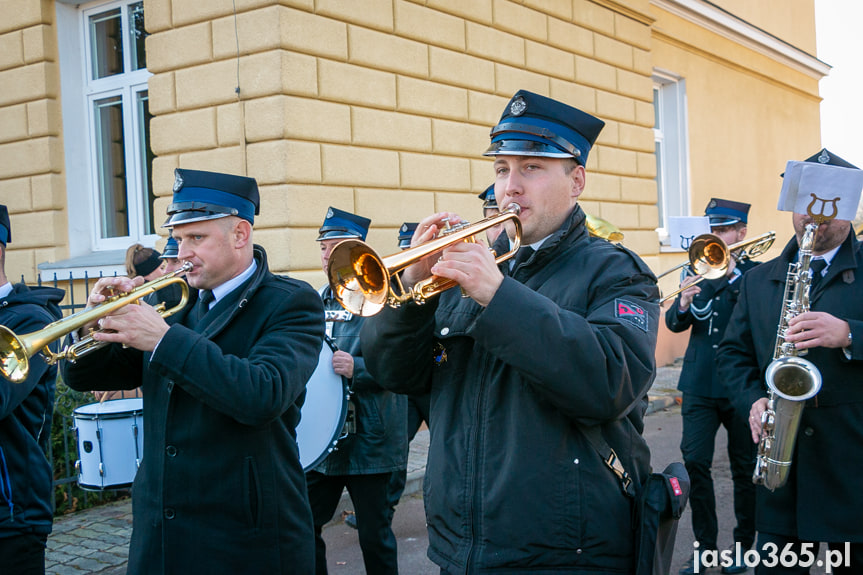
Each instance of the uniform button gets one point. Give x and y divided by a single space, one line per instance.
715 346
171 451
170 385
715 330
578 551
169 513
716 298
444 331
716 313
808 432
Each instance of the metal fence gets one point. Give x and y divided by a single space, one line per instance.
63 448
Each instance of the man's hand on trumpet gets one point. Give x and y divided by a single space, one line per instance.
138 326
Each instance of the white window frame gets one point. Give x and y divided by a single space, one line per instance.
671 139
80 92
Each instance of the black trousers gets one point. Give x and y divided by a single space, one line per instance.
851 564
702 417
23 554
371 498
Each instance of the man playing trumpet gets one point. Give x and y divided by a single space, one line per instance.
221 488
544 347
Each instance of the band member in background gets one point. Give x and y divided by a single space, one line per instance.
545 353
221 488
144 262
169 256
706 308
364 461
26 408
821 500
489 208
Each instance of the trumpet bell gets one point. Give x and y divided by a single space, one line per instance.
14 356
358 278
709 256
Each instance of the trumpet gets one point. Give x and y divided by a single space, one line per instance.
16 351
362 281
709 256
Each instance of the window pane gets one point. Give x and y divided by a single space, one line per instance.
660 195
110 158
656 106
146 161
138 34
106 44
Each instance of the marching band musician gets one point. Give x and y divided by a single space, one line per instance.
26 408
221 488
364 461
706 308
545 354
821 500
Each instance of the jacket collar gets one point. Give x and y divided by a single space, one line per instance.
847 258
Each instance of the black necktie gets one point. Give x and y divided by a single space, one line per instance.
203 305
817 266
522 256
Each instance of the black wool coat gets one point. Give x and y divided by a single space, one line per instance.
221 489
822 499
716 300
512 484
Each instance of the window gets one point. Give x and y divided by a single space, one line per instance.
103 68
672 159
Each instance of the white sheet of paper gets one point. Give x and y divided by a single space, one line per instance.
827 189
683 229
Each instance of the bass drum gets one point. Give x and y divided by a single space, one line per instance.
324 411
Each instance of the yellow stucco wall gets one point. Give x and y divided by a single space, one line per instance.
31 153
383 108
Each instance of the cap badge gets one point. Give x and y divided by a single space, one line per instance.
712 204
518 106
404 227
824 158
178 181
329 213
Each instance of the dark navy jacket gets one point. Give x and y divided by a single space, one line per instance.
512 483
221 488
708 316
822 499
26 475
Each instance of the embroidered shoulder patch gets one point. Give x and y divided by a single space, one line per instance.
628 311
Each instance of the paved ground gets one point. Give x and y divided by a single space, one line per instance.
96 540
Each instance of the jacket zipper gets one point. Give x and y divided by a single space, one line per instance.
476 477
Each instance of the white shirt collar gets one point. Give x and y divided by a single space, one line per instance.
221 291
828 257
5 290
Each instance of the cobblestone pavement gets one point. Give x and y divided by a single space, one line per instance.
96 540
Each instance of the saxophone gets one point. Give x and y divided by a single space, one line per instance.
791 380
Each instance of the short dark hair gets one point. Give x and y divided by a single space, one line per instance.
734 226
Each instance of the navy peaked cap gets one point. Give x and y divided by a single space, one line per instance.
202 196
406 232
5 226
172 250
340 224
726 212
827 157
488 199
533 125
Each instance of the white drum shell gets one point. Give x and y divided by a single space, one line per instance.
323 412
110 437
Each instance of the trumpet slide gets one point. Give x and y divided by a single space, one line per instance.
16 350
709 256
362 281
